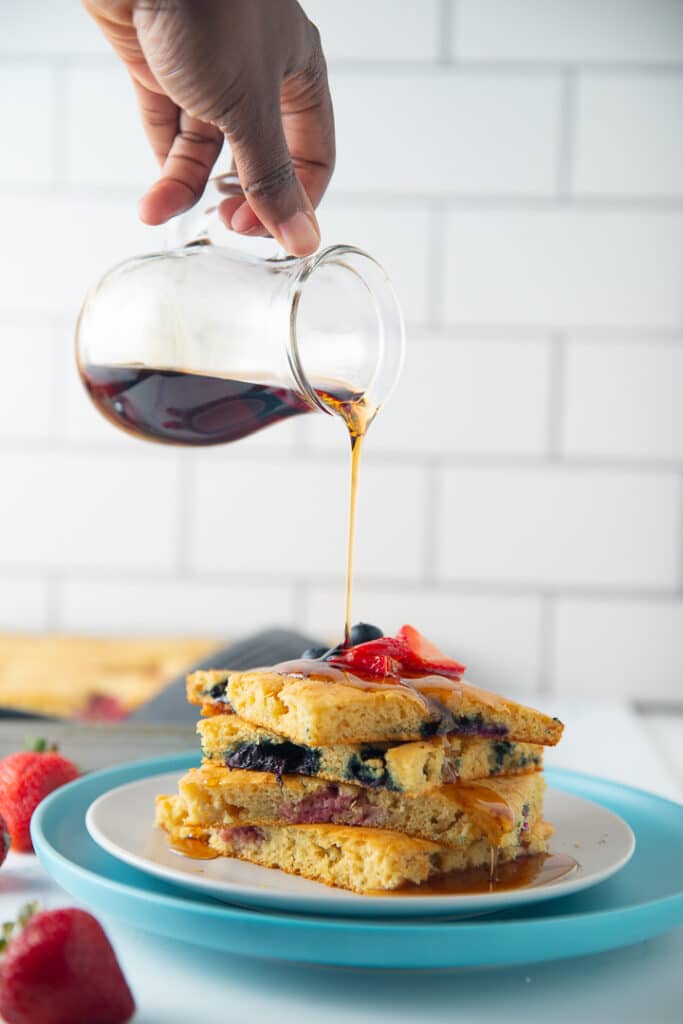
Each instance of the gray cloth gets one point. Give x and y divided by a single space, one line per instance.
265 648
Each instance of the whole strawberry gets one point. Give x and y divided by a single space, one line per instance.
25 779
61 969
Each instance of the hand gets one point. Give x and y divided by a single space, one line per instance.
250 71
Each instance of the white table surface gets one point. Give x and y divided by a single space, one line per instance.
176 983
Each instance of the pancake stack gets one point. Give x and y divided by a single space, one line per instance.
360 781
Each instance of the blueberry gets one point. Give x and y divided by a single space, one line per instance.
332 651
363 631
217 691
313 653
280 758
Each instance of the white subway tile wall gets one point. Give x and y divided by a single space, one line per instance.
518 167
287 520
638 31
564 267
629 141
635 648
447 131
28 124
560 527
103 111
461 396
624 400
66 509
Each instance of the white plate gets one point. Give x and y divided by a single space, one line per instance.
120 821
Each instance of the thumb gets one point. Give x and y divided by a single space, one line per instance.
271 187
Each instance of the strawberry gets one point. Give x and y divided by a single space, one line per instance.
4 841
380 665
101 708
25 779
61 969
423 657
408 654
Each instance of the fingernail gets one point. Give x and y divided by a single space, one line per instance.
244 220
300 234
165 199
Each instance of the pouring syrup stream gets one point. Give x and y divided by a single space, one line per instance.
357 415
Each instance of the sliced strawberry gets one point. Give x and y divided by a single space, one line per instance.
424 657
380 666
406 654
387 646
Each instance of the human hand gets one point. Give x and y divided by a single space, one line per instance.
250 71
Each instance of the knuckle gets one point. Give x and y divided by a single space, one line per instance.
228 111
155 120
316 66
195 138
271 183
192 163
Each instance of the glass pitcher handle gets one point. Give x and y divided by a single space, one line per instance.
193 226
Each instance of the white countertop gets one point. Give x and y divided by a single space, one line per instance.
174 983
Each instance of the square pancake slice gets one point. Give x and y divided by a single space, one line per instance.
363 860
314 704
403 767
503 810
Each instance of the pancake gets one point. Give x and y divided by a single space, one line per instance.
403 767
313 704
502 810
363 860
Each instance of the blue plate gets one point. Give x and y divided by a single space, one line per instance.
643 900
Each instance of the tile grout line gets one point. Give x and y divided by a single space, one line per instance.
444 587
437 332
430 526
447 24
557 398
185 487
57 395
436 264
493 66
384 199
300 604
60 119
567 135
54 600
390 458
547 634
680 534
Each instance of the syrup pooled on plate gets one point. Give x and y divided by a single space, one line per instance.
195 849
523 873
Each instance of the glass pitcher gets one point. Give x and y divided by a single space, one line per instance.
200 344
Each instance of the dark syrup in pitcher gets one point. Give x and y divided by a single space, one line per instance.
174 407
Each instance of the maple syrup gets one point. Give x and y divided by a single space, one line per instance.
485 806
195 849
524 873
173 407
433 692
357 415
183 408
